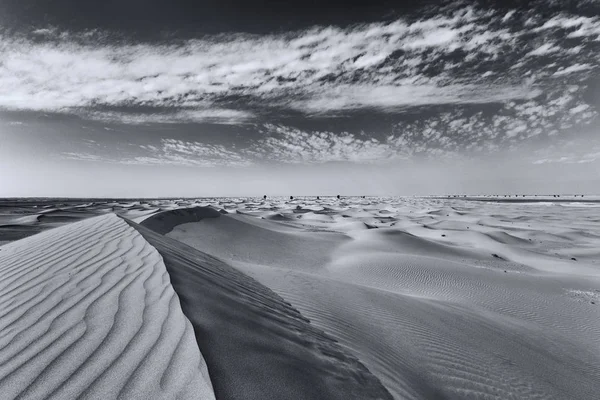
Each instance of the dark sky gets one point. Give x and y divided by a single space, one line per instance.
220 88
146 18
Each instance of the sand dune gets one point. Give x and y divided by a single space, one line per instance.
245 239
255 344
430 316
429 298
87 311
164 222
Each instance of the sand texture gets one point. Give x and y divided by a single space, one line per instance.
255 344
87 311
442 302
480 297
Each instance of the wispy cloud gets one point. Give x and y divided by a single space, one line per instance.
82 156
179 152
544 49
570 159
575 149
171 152
291 145
504 128
577 26
391 65
208 115
572 69
450 135
351 97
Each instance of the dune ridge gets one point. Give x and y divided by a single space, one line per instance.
164 222
87 311
256 345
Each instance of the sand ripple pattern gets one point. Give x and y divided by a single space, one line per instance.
87 311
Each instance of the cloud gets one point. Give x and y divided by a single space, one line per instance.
572 149
180 152
388 65
82 156
578 26
291 145
171 152
572 69
279 144
208 115
544 49
351 97
507 127
508 16
581 159
451 135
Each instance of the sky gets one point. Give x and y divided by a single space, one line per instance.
161 98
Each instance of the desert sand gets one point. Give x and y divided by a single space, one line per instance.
405 298
87 311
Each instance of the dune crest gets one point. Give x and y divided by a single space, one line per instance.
255 344
87 311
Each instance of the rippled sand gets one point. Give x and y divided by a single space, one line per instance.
427 297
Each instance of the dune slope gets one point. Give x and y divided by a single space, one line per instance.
255 344
87 311
431 318
165 221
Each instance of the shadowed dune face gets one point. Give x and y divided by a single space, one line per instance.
249 239
87 311
256 345
164 222
430 316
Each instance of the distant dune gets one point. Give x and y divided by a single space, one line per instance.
534 199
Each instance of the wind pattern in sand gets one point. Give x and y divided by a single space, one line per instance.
88 311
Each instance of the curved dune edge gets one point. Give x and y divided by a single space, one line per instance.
255 344
164 222
87 311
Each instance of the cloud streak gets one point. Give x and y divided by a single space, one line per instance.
208 115
173 152
387 66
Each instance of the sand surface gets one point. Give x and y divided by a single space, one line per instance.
428 298
255 344
495 308
87 311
